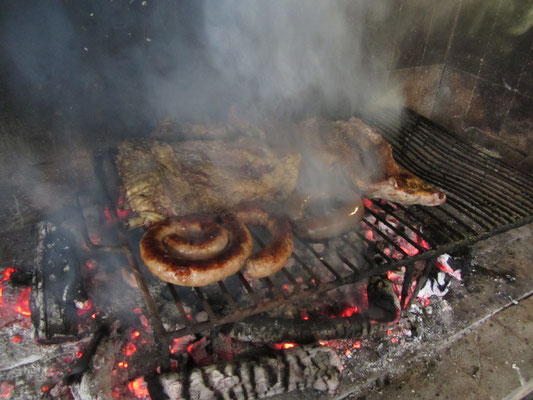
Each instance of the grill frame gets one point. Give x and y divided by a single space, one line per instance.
420 145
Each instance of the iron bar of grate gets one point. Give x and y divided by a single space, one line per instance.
321 259
406 284
440 153
347 262
422 279
483 160
461 191
187 318
385 236
396 230
429 211
487 179
478 215
251 292
458 150
274 288
307 269
294 282
371 245
229 298
388 209
205 305
484 184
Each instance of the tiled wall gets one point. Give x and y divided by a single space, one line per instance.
468 64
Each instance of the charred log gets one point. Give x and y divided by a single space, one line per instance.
58 292
267 329
295 369
383 303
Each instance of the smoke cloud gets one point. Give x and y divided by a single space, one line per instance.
138 62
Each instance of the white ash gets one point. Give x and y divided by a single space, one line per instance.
434 287
444 260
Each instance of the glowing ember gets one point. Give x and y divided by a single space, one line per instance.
129 349
442 264
304 315
190 348
137 311
322 343
94 238
177 346
5 275
123 364
347 352
16 339
79 354
394 340
93 315
422 242
139 388
6 390
135 334
144 321
357 344
84 307
369 235
23 303
389 332
45 389
122 213
367 203
91 264
349 311
107 214
280 346
409 248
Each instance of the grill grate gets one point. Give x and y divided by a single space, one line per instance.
485 197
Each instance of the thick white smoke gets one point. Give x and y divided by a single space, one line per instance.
284 57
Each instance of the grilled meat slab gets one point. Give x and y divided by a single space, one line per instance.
173 179
352 151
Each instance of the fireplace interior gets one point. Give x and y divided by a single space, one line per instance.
416 301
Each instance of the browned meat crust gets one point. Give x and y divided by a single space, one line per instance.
353 151
276 253
163 262
162 179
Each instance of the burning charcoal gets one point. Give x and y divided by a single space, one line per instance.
84 362
96 382
222 347
199 352
58 291
298 368
383 303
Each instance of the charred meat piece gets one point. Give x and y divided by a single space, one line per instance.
352 151
174 179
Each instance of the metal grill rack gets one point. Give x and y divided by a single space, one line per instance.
485 197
